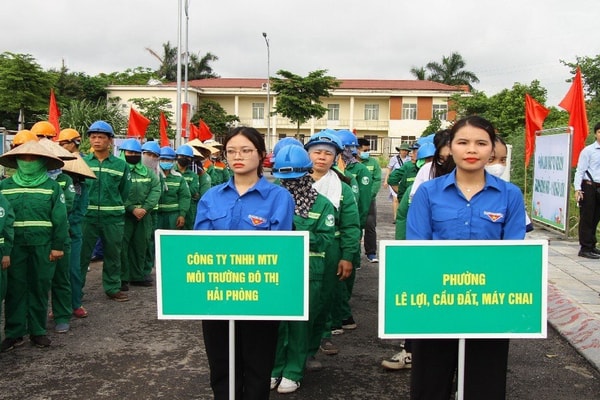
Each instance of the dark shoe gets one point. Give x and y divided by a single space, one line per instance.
11 343
588 254
125 286
327 347
40 341
141 283
148 278
119 296
596 250
348 324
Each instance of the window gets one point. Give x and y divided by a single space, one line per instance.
371 112
258 111
373 142
333 112
440 111
409 111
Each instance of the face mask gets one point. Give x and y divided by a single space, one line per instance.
31 167
364 155
184 162
166 165
150 161
495 169
53 174
133 160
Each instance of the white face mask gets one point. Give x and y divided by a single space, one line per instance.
495 169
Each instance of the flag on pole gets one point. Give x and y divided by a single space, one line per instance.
163 124
54 114
574 103
535 114
138 124
184 119
205 133
194 132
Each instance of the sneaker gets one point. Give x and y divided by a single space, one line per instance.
372 258
312 364
119 296
327 347
11 343
40 341
402 360
124 286
349 324
337 330
62 327
80 312
275 382
287 386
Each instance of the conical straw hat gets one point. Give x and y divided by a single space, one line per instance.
78 167
34 148
199 145
57 149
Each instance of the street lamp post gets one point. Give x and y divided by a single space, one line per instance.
269 141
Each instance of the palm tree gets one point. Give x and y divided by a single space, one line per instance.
451 72
198 67
419 73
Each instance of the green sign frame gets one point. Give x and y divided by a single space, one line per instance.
232 275
463 289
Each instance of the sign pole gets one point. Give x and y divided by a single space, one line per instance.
232 359
461 369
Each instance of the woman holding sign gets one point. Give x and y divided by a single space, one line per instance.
467 204
246 202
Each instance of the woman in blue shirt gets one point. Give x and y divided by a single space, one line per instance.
246 202
467 204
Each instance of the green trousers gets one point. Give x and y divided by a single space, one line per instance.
135 247
111 234
75 266
28 282
150 250
61 287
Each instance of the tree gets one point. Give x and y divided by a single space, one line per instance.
24 87
420 73
151 108
198 67
80 114
299 98
450 71
590 71
215 117
435 124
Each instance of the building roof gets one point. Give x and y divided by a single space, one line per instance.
346 84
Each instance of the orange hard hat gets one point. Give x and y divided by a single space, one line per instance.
68 134
23 136
43 128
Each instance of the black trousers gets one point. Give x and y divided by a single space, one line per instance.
370 238
435 361
589 216
255 346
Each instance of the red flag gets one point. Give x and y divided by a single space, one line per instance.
138 124
164 139
194 132
54 114
535 114
205 133
184 119
574 103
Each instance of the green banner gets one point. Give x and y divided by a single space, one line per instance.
463 289
259 275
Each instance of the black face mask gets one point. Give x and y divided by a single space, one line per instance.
133 159
184 162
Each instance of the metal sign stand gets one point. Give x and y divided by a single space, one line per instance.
232 359
461 370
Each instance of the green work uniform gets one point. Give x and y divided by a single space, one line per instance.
375 169
7 235
292 343
40 227
61 282
174 201
80 203
105 218
403 177
401 215
219 173
205 183
365 189
144 193
194 186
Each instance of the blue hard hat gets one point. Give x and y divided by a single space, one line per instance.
151 147
286 141
347 138
291 162
101 127
185 150
427 149
131 145
167 152
326 136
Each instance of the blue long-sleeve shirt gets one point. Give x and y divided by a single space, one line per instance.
264 206
439 211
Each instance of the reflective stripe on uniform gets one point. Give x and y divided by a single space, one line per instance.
27 190
105 208
27 224
315 254
168 206
314 215
107 170
140 180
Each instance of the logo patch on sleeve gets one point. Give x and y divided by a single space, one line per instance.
257 220
493 216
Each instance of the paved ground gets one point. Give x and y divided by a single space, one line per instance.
122 351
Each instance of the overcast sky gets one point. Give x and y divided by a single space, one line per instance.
502 41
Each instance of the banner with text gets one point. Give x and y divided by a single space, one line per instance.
551 180
463 289
258 275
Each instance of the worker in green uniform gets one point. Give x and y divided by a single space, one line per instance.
174 202
7 235
313 213
372 164
105 216
40 235
215 166
150 158
185 156
400 180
